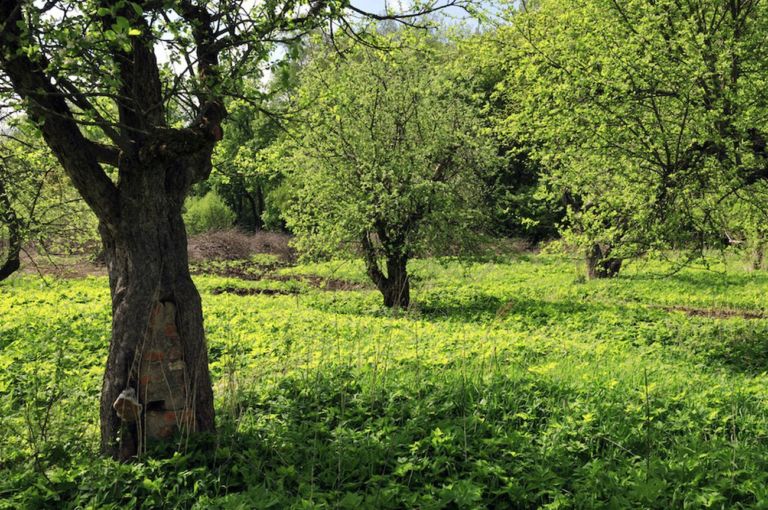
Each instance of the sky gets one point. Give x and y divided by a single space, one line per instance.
379 6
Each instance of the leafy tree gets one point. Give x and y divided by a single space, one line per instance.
741 218
387 157
244 172
518 203
645 113
11 231
139 86
240 174
37 205
208 212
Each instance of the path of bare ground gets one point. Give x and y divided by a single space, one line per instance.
61 266
234 251
237 245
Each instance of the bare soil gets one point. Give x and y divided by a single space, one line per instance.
236 245
218 245
253 292
716 313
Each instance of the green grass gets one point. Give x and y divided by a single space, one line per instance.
511 384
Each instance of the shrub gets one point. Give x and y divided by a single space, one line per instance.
207 213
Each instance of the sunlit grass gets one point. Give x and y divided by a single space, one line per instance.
509 384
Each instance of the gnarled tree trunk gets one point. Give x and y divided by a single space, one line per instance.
157 325
600 264
396 288
166 364
395 285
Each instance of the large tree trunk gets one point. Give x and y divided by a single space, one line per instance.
157 325
11 261
600 264
158 346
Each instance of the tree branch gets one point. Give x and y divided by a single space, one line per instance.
46 106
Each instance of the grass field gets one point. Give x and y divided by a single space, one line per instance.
510 384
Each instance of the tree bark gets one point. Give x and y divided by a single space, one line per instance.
757 261
395 286
257 207
599 262
146 256
12 261
139 213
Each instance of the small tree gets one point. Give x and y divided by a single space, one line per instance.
243 173
388 157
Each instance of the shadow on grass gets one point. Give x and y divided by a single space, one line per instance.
483 308
702 280
739 346
478 308
720 341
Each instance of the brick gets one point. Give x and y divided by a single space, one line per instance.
174 354
163 424
153 356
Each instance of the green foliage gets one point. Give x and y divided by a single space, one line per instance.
515 197
510 387
206 213
644 114
43 206
386 149
245 173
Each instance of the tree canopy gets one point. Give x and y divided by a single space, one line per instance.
645 114
387 156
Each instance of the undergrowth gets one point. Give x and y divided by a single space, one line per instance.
510 384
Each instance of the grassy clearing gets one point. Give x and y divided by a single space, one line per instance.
510 384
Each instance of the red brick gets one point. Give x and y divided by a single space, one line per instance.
154 356
180 416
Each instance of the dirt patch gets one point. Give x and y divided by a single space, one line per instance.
74 266
716 313
253 270
235 245
247 271
218 245
319 282
254 292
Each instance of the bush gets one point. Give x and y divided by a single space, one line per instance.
207 213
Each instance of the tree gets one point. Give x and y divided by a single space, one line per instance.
645 113
515 197
36 203
129 96
12 238
387 157
244 173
